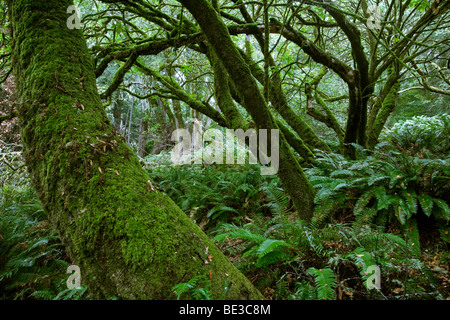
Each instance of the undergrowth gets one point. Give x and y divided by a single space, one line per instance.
214 193
32 260
389 208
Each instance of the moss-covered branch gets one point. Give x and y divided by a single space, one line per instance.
176 90
327 117
290 173
387 107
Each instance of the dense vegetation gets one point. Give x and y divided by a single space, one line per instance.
388 208
364 150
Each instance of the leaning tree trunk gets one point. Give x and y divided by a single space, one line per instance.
129 239
143 137
291 175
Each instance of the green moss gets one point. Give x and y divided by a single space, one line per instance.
387 107
129 240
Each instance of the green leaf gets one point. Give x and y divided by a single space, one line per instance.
271 258
342 173
412 232
383 200
394 239
444 209
402 211
340 185
242 234
374 178
362 202
395 176
426 203
325 282
444 232
410 200
269 245
219 210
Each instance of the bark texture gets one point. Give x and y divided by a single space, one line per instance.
129 239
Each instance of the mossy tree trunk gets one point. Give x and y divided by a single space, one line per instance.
291 175
129 239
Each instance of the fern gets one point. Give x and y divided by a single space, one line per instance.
426 203
263 250
31 253
325 282
412 234
304 291
278 201
362 202
270 245
271 258
234 232
197 288
444 212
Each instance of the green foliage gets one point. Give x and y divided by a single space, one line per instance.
422 134
325 281
264 250
404 177
304 291
215 193
368 212
32 259
63 293
197 288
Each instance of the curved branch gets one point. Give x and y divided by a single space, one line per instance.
202 107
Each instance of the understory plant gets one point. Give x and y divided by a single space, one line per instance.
404 182
212 193
389 208
33 263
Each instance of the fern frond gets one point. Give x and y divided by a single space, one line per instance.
342 173
242 234
304 291
426 203
270 258
444 212
325 282
270 245
362 202
410 200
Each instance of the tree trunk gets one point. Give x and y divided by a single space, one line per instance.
353 119
117 112
291 175
129 239
387 107
142 143
178 117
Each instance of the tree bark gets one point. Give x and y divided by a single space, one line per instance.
129 239
388 105
117 114
143 138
